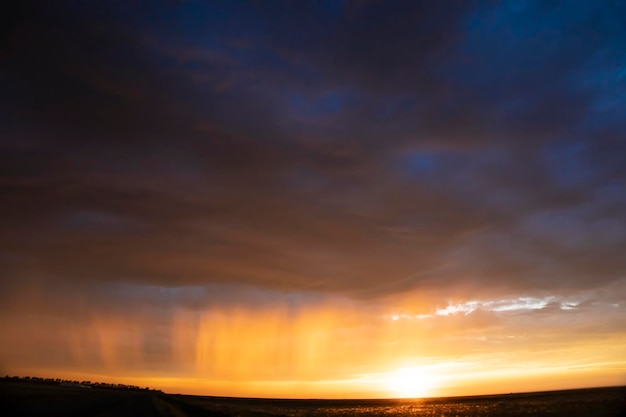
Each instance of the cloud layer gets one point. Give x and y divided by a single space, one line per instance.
193 154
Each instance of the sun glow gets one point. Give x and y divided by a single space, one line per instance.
313 348
410 382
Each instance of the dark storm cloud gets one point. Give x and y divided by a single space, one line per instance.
363 148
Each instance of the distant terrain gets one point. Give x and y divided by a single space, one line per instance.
73 399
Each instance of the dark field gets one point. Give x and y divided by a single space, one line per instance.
30 399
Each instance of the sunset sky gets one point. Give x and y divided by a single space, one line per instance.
329 199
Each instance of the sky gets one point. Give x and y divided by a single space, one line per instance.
329 199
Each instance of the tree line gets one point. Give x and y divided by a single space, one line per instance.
75 383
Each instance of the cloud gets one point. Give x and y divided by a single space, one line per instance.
360 150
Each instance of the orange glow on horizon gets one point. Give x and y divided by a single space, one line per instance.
329 348
410 382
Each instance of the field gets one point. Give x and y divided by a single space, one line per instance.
34 400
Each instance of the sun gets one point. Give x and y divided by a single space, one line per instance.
409 382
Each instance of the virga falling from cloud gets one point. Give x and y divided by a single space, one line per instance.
218 193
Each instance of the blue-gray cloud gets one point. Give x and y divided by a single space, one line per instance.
362 149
